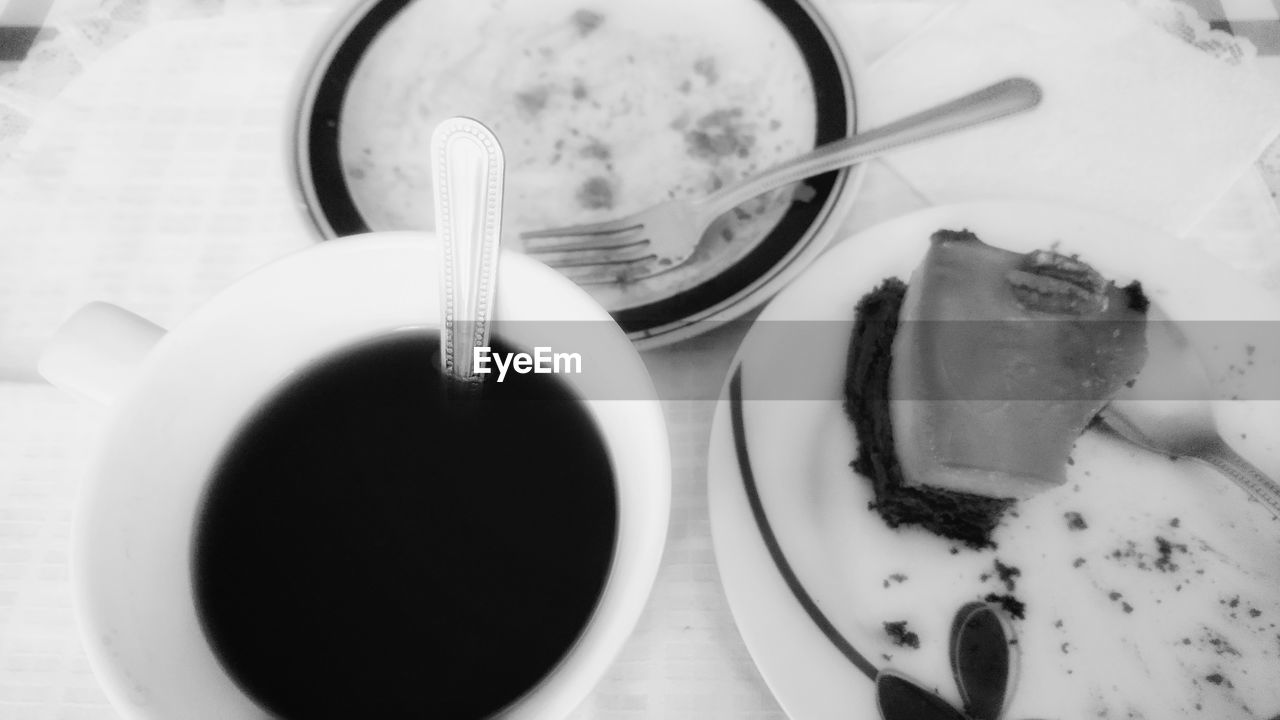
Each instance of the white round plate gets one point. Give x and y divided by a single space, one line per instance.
600 114
792 530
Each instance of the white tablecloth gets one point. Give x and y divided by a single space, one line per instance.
685 660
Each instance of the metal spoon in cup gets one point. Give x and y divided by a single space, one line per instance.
467 165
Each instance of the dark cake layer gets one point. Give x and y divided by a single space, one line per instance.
970 519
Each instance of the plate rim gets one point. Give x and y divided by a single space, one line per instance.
765 283
728 491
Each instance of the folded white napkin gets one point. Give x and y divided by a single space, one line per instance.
1134 120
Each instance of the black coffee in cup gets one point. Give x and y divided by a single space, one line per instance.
367 548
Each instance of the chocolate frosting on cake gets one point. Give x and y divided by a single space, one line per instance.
959 516
968 388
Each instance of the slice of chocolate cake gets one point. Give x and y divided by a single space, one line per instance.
968 388
960 516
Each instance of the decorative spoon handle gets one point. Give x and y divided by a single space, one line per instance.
467 165
1230 463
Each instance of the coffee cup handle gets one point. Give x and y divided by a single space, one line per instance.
97 351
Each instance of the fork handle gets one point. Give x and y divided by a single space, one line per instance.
1006 97
1244 473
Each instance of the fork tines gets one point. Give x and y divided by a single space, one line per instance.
602 244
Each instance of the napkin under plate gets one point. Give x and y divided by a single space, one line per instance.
1134 120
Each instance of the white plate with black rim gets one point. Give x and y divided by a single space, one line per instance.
603 109
1148 585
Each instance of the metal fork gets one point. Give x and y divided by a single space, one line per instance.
663 236
1147 414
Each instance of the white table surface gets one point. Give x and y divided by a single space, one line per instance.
686 658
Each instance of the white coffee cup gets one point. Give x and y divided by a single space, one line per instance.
176 399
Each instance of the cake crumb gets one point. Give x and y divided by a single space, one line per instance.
1075 521
1010 604
720 133
1219 679
803 193
706 67
1165 548
596 149
595 194
1007 573
1220 645
901 636
897 578
533 100
586 21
